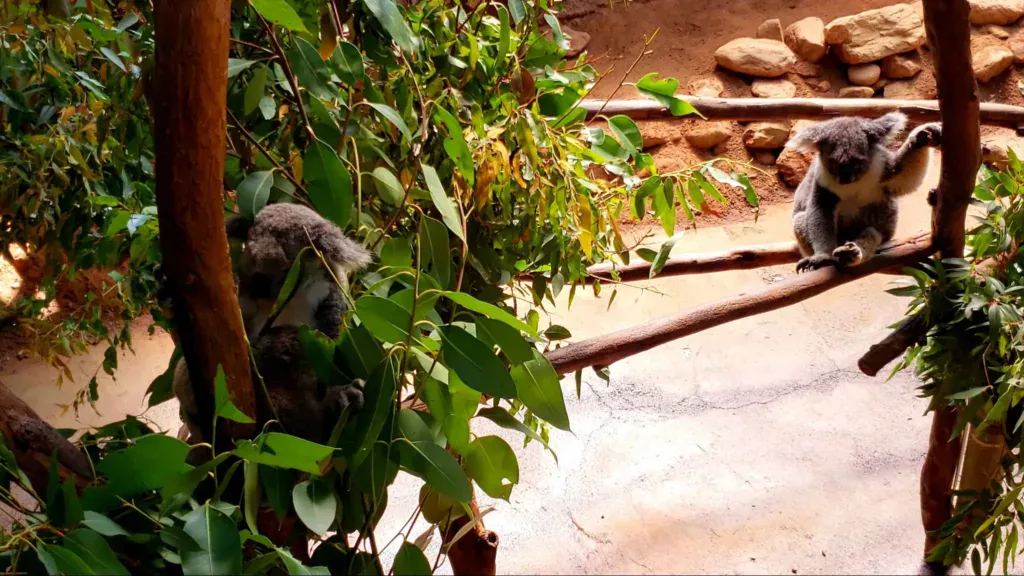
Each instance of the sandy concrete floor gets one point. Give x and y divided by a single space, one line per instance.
754 447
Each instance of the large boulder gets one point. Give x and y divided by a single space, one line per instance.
875 34
1017 47
707 86
991 57
856 92
996 11
766 135
775 88
756 57
709 134
792 166
770 29
807 38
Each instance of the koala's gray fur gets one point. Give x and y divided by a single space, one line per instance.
846 205
304 405
271 244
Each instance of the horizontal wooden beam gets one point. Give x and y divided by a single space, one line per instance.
750 109
743 258
609 348
910 331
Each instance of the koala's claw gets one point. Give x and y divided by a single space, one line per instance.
848 254
814 262
927 135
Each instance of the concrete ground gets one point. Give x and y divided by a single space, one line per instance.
754 447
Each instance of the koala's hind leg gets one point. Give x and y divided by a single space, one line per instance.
860 249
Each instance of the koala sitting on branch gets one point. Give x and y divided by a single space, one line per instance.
846 206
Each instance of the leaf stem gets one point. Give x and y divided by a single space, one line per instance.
643 52
292 81
252 140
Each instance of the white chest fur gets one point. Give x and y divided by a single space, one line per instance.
855 195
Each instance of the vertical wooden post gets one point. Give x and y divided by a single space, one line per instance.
949 37
190 99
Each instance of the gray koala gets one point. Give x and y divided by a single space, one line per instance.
846 206
306 407
271 244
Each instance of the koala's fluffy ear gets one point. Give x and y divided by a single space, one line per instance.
886 128
807 139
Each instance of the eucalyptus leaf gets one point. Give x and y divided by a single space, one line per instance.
279 12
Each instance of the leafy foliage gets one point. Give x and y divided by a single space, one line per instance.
447 138
973 360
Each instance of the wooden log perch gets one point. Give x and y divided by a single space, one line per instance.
949 36
746 258
910 331
476 552
606 349
34 442
751 109
190 128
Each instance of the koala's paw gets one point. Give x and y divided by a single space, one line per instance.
927 135
848 254
933 197
814 262
344 396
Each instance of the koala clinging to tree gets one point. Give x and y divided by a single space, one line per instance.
305 406
846 205
271 244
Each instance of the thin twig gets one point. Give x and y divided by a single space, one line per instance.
252 139
643 52
292 81
252 46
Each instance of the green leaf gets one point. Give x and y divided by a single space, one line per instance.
627 132
254 192
518 10
967 394
330 186
277 484
291 280
441 201
358 352
556 31
94 550
255 90
500 334
267 107
664 91
150 463
280 12
455 144
646 254
748 190
251 494
410 560
502 418
538 386
437 467
475 363
103 525
315 504
412 427
388 186
224 406
490 461
296 568
310 70
393 117
284 451
489 310
348 62
663 253
236 65
708 187
378 403
665 206
504 37
113 58
393 21
58 560
220 547
385 319
435 249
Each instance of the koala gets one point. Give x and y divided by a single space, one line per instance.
271 244
846 206
305 406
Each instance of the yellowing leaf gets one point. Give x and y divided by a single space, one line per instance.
51 70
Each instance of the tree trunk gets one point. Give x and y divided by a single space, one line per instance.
190 135
949 36
475 553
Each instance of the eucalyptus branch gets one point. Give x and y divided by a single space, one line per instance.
292 81
643 52
252 140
